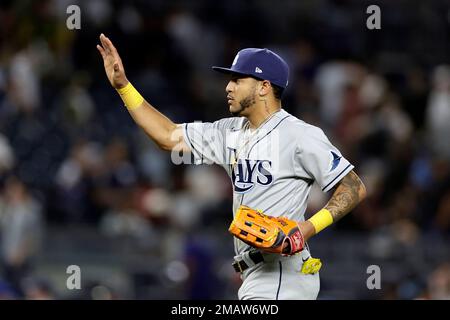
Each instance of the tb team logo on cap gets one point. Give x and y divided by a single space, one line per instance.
235 59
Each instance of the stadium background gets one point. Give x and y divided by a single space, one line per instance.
82 185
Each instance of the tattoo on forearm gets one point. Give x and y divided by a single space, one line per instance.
346 197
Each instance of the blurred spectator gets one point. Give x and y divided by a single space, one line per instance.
156 204
78 106
331 81
442 220
154 164
21 225
416 96
118 171
438 112
127 224
37 289
7 292
25 85
7 160
74 183
438 284
202 282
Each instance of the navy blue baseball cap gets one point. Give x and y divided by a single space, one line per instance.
262 64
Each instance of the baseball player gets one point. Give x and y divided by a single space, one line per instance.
272 158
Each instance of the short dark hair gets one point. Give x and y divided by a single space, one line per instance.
277 92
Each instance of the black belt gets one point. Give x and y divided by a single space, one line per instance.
255 256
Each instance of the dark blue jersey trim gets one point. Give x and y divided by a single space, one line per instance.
336 177
187 136
279 281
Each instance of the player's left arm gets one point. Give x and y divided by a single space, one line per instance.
348 193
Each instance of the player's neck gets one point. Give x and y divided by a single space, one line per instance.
261 116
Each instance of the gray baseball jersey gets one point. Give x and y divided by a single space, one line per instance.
271 168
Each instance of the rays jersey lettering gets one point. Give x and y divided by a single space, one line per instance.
247 173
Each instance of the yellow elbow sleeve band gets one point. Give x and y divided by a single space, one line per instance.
130 96
321 220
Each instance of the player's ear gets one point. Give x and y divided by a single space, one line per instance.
264 88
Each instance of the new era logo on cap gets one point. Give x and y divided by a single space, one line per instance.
261 64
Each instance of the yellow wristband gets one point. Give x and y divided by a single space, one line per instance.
130 96
321 220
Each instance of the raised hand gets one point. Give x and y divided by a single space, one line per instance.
113 64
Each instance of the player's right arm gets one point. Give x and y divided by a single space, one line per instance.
165 133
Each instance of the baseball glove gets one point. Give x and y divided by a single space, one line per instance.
270 234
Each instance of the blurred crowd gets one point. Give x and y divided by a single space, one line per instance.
70 155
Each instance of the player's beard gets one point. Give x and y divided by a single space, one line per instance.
245 103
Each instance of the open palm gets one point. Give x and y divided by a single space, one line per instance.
112 63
